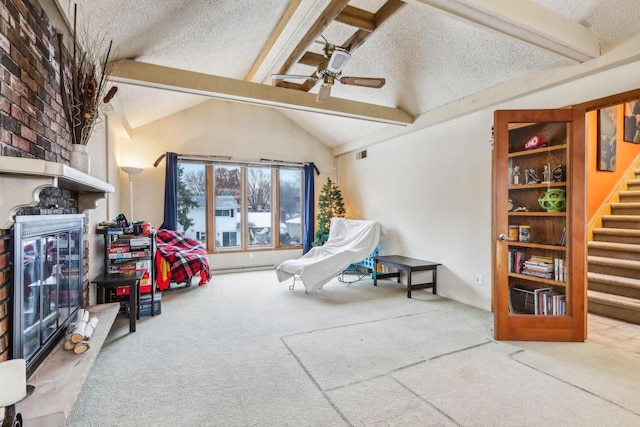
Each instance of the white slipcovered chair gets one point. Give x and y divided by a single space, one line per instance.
350 241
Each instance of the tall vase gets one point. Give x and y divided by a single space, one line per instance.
80 158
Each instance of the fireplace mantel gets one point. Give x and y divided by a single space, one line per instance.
22 180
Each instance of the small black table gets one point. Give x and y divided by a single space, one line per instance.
402 263
113 280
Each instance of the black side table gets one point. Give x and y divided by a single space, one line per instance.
403 263
113 280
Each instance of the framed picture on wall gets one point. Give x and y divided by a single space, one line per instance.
632 122
607 134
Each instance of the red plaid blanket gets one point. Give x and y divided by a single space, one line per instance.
186 256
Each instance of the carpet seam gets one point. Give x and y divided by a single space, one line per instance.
511 356
315 382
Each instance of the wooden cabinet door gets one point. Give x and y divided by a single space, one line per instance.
539 225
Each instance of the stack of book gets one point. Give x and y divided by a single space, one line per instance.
539 266
549 302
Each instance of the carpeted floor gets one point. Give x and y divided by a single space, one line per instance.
245 351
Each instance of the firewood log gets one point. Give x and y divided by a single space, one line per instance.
68 345
88 330
81 347
78 332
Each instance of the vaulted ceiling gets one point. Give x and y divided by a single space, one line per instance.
434 54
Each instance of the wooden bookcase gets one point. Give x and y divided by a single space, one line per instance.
539 215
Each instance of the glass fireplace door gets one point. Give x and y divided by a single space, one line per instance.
48 255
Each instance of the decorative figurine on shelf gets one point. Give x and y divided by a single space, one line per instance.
546 174
516 175
521 209
532 176
558 174
554 200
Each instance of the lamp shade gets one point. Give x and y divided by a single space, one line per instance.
131 170
13 377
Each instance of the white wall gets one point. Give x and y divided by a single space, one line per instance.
102 163
245 132
431 189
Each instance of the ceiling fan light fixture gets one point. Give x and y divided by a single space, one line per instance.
323 93
338 60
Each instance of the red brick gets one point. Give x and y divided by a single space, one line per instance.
4 260
29 108
4 326
5 136
10 93
19 86
21 143
5 105
3 291
31 83
3 248
18 114
4 43
3 309
28 133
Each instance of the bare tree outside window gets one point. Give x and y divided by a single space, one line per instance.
259 189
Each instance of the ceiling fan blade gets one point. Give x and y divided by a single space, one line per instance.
373 82
323 93
338 60
293 76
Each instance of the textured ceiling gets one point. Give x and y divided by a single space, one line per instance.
429 58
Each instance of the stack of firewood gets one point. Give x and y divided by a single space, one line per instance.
79 333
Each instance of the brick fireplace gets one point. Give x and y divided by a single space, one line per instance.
35 142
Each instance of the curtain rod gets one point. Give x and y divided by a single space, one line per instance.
228 159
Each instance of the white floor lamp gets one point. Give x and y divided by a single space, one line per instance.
131 171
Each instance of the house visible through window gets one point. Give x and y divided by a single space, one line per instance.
242 199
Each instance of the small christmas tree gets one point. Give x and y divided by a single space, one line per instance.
331 205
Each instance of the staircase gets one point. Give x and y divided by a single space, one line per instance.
613 261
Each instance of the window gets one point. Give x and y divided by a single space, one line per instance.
231 206
290 206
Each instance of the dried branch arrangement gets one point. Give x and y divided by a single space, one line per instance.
83 86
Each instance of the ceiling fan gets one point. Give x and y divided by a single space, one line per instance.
330 71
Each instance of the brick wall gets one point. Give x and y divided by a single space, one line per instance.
32 120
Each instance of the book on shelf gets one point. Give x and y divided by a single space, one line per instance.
538 299
563 237
560 270
516 259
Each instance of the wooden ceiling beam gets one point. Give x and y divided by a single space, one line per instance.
387 10
348 15
159 77
312 59
527 21
328 16
359 18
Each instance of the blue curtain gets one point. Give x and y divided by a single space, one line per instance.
309 203
171 193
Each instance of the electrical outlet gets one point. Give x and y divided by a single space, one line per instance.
478 279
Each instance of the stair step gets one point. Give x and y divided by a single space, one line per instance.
633 184
625 208
621 221
629 196
614 250
617 235
614 262
615 285
614 306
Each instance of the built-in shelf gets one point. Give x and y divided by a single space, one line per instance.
22 180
